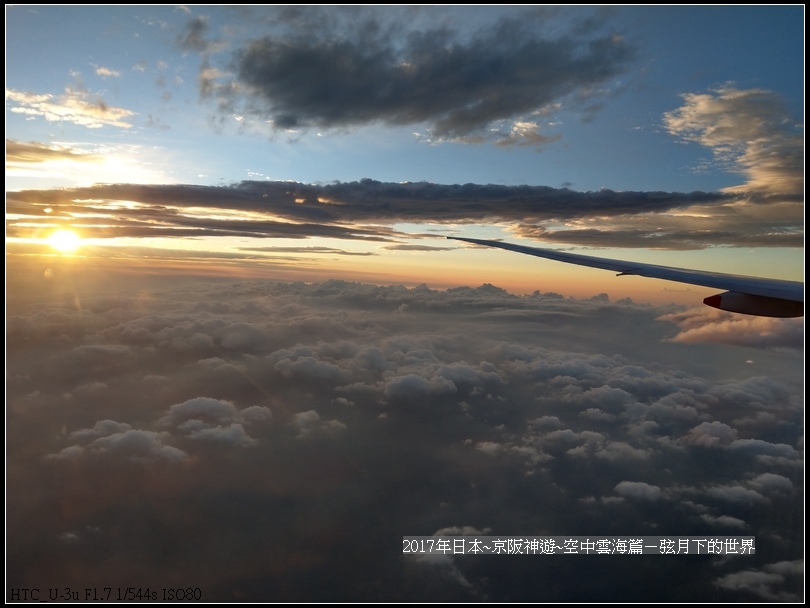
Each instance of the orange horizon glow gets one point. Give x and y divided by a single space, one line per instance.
439 271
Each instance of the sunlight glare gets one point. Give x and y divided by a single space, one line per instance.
64 240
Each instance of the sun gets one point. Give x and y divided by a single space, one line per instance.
64 240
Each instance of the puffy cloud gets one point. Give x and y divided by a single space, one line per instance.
760 446
757 582
461 410
703 324
256 414
412 386
638 490
120 441
771 483
736 494
787 568
621 450
747 129
597 415
233 434
212 411
522 449
546 422
305 420
768 582
309 367
101 428
310 421
206 419
136 445
488 447
199 419
711 434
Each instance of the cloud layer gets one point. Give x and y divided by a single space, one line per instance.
269 441
363 210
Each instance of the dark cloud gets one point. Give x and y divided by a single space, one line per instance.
267 441
348 67
370 200
162 217
360 210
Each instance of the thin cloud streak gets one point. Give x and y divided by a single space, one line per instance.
74 106
330 210
31 153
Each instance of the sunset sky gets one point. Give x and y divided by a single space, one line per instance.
345 143
237 338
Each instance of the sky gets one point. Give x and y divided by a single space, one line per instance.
252 362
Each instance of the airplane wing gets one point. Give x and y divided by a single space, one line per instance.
747 295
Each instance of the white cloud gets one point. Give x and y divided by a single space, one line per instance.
771 483
412 386
711 434
747 129
766 582
212 411
724 521
638 490
122 442
736 494
708 325
107 72
77 107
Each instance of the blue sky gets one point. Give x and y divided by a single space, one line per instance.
646 100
